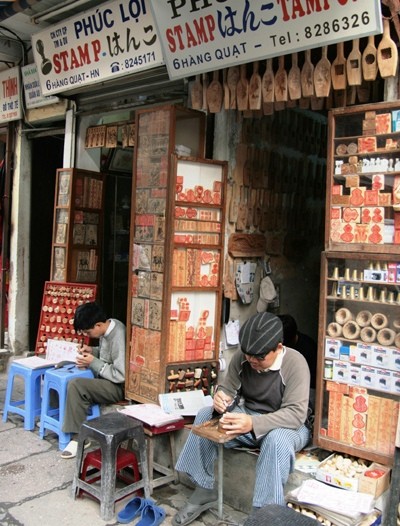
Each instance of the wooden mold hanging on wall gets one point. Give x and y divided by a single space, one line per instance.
96 137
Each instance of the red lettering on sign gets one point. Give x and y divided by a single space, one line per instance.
292 9
188 36
72 59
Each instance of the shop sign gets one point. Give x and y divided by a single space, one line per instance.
32 91
114 39
204 35
10 100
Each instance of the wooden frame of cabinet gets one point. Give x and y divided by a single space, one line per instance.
363 171
77 226
358 375
162 300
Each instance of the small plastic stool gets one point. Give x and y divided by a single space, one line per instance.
30 406
110 430
52 418
125 459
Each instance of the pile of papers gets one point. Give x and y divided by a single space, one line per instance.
151 414
343 508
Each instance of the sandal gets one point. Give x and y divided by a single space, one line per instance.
133 509
190 512
151 516
72 448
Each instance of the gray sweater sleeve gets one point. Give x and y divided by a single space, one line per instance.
109 361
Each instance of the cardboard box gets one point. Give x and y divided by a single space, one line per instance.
332 348
335 477
375 480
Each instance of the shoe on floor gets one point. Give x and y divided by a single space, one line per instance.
133 509
151 516
72 448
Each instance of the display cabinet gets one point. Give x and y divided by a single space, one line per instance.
77 226
358 389
175 260
363 179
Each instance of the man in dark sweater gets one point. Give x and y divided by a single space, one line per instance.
270 384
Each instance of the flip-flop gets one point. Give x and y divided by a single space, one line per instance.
134 508
190 512
151 516
72 448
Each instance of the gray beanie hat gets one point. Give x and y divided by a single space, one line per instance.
260 334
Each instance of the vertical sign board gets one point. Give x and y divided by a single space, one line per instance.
10 99
32 91
204 35
114 39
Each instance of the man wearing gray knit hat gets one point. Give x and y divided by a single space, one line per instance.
272 383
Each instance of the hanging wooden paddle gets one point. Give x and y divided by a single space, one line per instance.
267 88
281 82
294 79
322 75
214 94
338 70
233 77
255 88
307 75
205 86
387 53
242 90
369 60
225 89
197 94
353 65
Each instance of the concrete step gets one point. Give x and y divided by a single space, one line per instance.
239 472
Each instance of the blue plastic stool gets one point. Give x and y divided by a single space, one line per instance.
30 406
52 418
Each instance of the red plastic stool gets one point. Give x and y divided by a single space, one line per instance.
125 459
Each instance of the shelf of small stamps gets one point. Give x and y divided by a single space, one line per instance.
59 303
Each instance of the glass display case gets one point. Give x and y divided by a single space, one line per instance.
175 292
77 226
363 183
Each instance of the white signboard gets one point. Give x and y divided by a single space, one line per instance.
10 99
114 39
205 35
33 93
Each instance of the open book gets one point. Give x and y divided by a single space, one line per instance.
150 414
58 351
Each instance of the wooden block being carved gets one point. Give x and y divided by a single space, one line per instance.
247 245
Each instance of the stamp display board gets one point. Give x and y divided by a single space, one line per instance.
59 303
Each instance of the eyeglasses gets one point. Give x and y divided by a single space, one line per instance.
258 357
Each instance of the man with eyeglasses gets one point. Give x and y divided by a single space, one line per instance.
106 361
264 396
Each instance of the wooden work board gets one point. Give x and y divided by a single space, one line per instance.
212 431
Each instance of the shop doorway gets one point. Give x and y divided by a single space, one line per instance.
117 216
47 156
